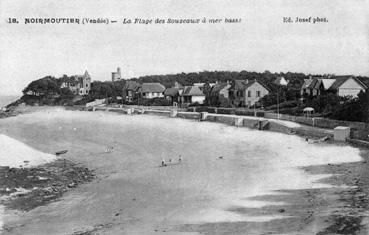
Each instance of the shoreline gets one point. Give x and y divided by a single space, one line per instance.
350 203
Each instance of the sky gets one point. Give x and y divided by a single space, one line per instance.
261 41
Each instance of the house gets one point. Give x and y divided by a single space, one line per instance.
152 90
281 81
254 91
191 94
247 93
347 86
219 95
236 93
116 75
78 84
84 83
130 91
172 93
311 86
339 85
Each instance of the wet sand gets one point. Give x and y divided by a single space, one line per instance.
260 186
337 210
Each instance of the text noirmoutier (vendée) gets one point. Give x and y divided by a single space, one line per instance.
125 20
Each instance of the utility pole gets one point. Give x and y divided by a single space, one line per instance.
278 102
254 109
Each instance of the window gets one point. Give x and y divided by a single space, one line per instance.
257 93
248 93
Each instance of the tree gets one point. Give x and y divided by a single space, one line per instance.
47 86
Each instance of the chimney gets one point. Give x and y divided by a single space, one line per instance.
118 71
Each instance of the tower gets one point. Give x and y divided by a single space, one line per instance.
116 75
86 82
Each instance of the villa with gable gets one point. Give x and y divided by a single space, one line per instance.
78 84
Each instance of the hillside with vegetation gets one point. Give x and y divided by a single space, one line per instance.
48 91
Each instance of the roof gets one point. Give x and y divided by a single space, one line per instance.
253 82
86 74
152 87
173 91
192 91
308 109
239 84
314 83
327 83
307 83
217 88
339 80
281 81
131 85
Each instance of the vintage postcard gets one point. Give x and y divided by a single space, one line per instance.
184 117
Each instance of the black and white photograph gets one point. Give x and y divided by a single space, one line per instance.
179 117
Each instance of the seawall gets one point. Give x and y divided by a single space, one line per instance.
258 123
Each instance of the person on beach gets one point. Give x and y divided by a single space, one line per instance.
163 162
180 158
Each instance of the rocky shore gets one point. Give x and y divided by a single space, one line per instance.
27 188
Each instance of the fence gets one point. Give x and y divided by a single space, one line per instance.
168 108
231 111
319 122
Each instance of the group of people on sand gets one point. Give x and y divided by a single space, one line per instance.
109 149
163 163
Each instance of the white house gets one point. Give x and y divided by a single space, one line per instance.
347 86
254 91
192 94
152 90
340 85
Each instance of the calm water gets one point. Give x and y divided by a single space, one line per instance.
133 195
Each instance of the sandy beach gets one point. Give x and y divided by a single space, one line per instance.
230 180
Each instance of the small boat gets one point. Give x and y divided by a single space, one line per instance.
61 152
